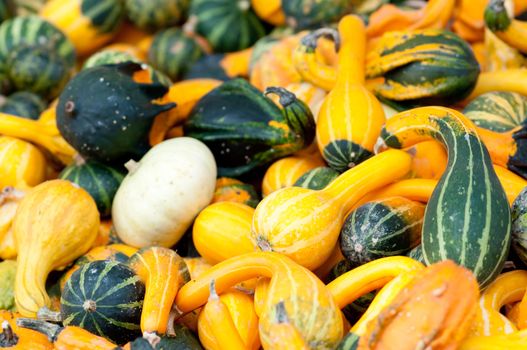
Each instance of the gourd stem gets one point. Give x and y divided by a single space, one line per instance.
310 40
45 314
51 330
285 97
7 338
281 313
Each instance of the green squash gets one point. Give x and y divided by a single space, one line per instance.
173 52
519 225
310 14
498 111
105 298
7 285
423 67
106 116
245 130
228 25
156 14
317 179
99 180
381 228
184 339
23 104
106 16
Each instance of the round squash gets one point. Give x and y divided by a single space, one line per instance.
306 14
156 14
23 165
162 194
105 298
24 104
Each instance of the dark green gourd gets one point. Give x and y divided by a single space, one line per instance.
105 298
106 116
156 14
99 180
317 179
184 339
23 104
244 129
306 14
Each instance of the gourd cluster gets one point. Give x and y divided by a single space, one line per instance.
276 174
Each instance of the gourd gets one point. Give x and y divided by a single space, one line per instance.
317 178
402 57
459 213
512 341
350 118
23 165
183 339
319 322
512 31
307 14
184 173
509 287
499 111
269 11
158 14
381 228
105 298
519 225
503 80
222 230
9 201
429 160
232 190
307 228
228 25
237 312
220 66
99 180
286 171
108 55
95 94
468 20
14 337
88 24
498 55
23 104
55 223
173 52
285 336
163 272
310 94
245 130
7 276
432 297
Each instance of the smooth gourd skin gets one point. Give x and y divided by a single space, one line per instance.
162 194
23 165
467 218
55 223
105 298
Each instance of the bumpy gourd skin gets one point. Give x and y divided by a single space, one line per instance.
55 224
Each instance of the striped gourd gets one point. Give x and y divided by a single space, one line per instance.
89 24
510 30
304 14
228 25
99 180
156 14
286 171
350 118
423 67
23 104
519 225
173 52
232 190
106 299
381 228
467 218
316 179
417 254
498 111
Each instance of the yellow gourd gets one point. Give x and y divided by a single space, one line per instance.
23 165
9 200
350 118
269 11
55 223
512 80
284 334
304 224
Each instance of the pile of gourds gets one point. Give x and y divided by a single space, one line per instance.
285 174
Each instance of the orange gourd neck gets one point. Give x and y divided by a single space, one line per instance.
351 56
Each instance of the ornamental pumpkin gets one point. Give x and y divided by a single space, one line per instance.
23 104
156 14
232 190
23 165
55 223
184 173
307 14
309 239
350 118
459 210
501 80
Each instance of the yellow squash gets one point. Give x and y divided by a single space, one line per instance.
23 165
10 198
55 223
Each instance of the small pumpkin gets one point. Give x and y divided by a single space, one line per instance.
232 190
23 104
317 178
53 214
158 14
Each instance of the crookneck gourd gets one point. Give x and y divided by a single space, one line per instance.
105 115
305 224
512 31
309 305
244 129
55 223
467 218
163 272
350 118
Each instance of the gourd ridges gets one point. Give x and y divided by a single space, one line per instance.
103 14
343 154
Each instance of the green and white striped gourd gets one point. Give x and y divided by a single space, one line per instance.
23 104
310 14
317 179
156 14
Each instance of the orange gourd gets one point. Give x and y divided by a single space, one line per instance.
522 313
304 224
163 272
284 172
434 311
429 160
232 190
17 338
284 335
309 305
269 11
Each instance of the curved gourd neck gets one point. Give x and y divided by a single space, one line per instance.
351 56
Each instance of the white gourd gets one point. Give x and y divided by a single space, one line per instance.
163 193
